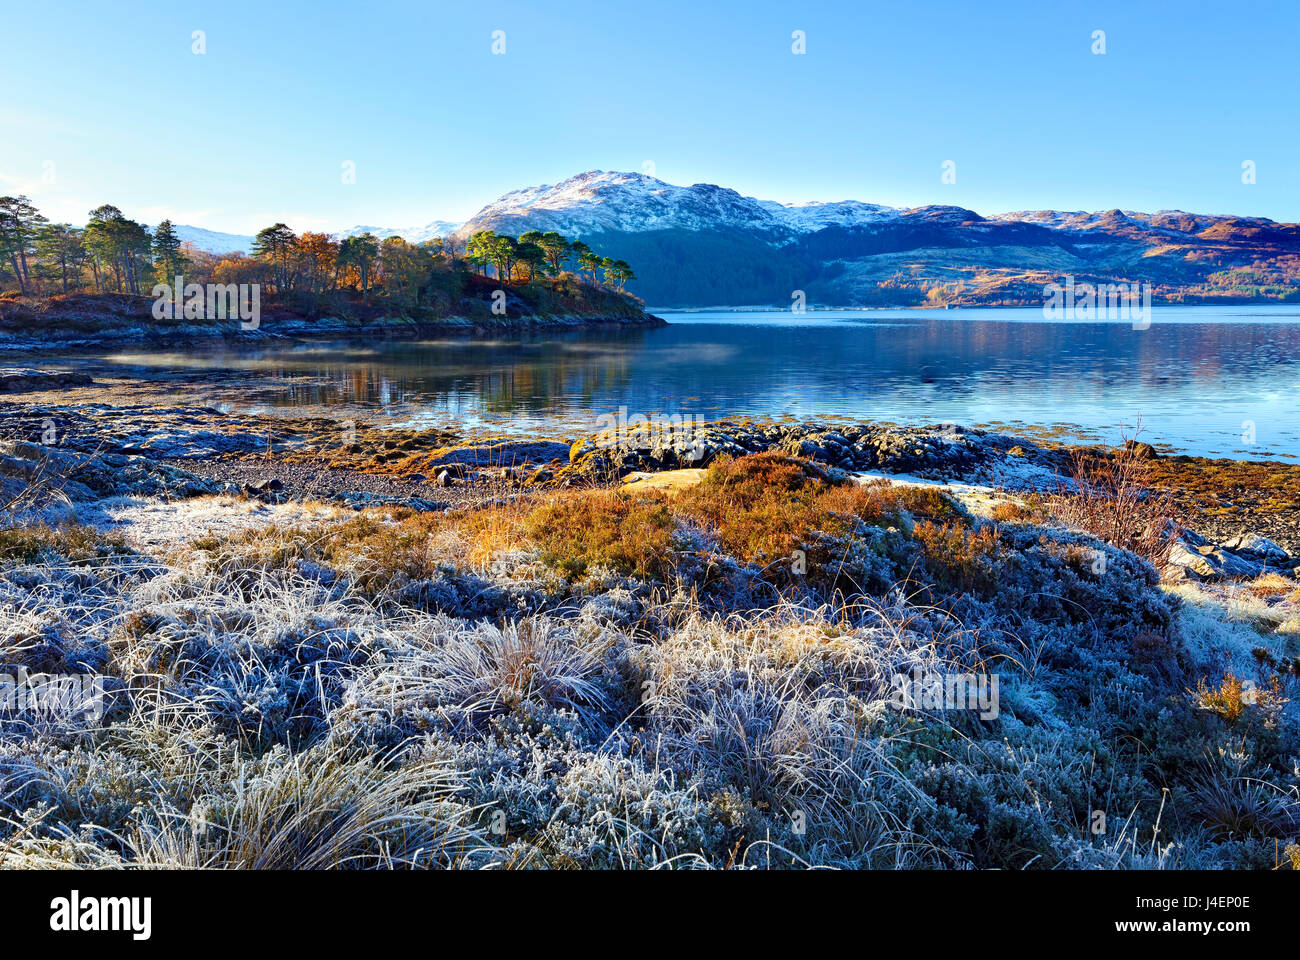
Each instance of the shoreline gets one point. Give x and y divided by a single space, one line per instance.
69 321
281 331
974 305
309 452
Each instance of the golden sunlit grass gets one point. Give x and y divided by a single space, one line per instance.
1011 511
1233 696
372 547
1270 585
1227 699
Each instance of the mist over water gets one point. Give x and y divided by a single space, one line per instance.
1198 377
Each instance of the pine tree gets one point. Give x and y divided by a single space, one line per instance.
587 258
59 248
20 223
531 254
479 250
622 273
167 256
557 249
275 244
360 251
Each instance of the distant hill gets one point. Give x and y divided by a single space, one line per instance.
430 231
213 241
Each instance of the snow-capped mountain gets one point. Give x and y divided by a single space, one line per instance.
213 241
600 201
707 244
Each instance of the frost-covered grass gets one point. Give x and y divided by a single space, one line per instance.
150 523
532 685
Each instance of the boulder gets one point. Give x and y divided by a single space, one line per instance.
1261 549
1194 556
26 381
269 485
507 453
360 499
670 481
192 444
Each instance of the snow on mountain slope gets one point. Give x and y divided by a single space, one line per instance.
608 201
598 201
430 231
213 241
818 214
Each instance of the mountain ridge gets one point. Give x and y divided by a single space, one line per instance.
710 244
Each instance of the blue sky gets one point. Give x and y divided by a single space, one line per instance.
112 102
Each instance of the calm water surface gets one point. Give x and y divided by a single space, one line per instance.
1198 377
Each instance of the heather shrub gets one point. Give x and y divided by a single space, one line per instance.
958 559
1114 497
764 507
626 533
1028 510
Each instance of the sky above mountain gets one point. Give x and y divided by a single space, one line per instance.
290 99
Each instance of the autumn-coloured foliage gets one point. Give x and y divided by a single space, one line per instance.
625 533
958 559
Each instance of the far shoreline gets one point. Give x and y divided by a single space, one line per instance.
940 308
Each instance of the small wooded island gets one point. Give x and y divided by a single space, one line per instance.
117 278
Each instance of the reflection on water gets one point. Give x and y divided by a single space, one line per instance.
1198 377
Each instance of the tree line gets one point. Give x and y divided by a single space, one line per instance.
114 254
110 251
535 254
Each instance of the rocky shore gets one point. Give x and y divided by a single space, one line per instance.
177 451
